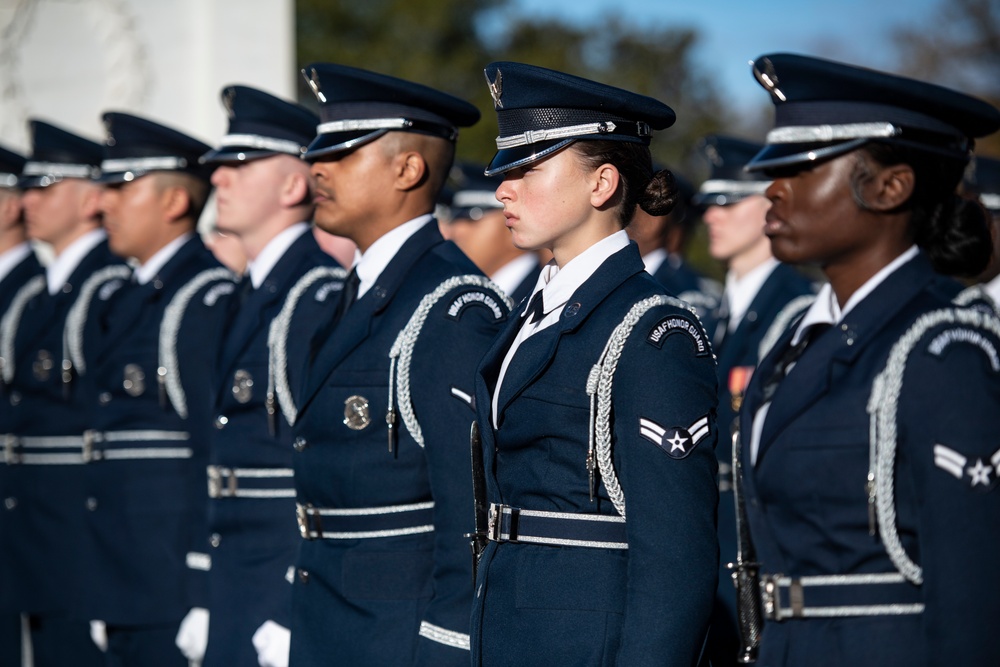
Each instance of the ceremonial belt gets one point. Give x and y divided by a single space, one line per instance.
356 523
226 482
95 446
838 595
512 524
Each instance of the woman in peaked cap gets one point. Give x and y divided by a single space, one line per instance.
596 405
870 441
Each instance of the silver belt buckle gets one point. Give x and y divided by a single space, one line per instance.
10 446
493 521
87 451
214 482
303 513
770 597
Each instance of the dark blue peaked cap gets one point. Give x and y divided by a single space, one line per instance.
984 181
728 181
262 125
541 111
57 154
358 106
472 192
825 108
137 146
11 164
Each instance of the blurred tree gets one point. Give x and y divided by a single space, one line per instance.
959 48
446 43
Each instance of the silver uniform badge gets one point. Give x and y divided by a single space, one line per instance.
242 386
356 413
42 367
135 380
496 89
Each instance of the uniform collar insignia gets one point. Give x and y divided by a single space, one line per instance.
496 88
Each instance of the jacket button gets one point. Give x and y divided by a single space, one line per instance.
10 503
300 444
215 540
91 504
15 398
303 576
221 421
104 398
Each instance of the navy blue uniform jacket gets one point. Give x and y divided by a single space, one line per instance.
807 500
147 497
42 518
254 537
645 605
380 600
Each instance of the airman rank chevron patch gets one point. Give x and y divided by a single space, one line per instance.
676 441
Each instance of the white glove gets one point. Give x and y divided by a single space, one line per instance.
99 634
192 636
272 642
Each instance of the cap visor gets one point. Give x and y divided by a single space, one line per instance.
512 158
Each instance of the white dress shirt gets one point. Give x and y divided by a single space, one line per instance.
275 249
63 266
557 286
509 276
372 262
146 272
740 292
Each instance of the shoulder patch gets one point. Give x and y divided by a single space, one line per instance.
677 441
217 291
678 324
947 338
109 288
466 299
324 290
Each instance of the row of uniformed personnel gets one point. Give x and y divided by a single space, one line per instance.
346 397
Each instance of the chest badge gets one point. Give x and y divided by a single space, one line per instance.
356 413
242 386
134 380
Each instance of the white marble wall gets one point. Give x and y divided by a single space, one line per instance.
67 61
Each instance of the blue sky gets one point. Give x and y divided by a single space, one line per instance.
734 32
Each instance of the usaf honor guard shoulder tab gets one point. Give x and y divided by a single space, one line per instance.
684 325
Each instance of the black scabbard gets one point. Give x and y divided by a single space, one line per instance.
478 539
745 572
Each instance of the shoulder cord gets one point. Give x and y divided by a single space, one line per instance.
76 319
599 386
12 319
168 372
882 409
788 313
401 353
277 341
971 295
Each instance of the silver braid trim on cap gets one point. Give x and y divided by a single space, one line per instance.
361 125
277 339
599 386
170 328
12 320
470 198
535 136
262 143
810 134
76 319
401 353
165 163
788 313
883 406
61 169
734 187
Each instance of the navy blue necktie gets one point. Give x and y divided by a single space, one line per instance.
790 356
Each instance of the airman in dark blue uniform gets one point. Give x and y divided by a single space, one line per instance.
476 225
146 447
263 197
381 431
869 451
45 337
761 293
595 405
985 185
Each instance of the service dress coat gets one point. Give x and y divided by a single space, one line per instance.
913 580
253 537
649 603
150 413
383 570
